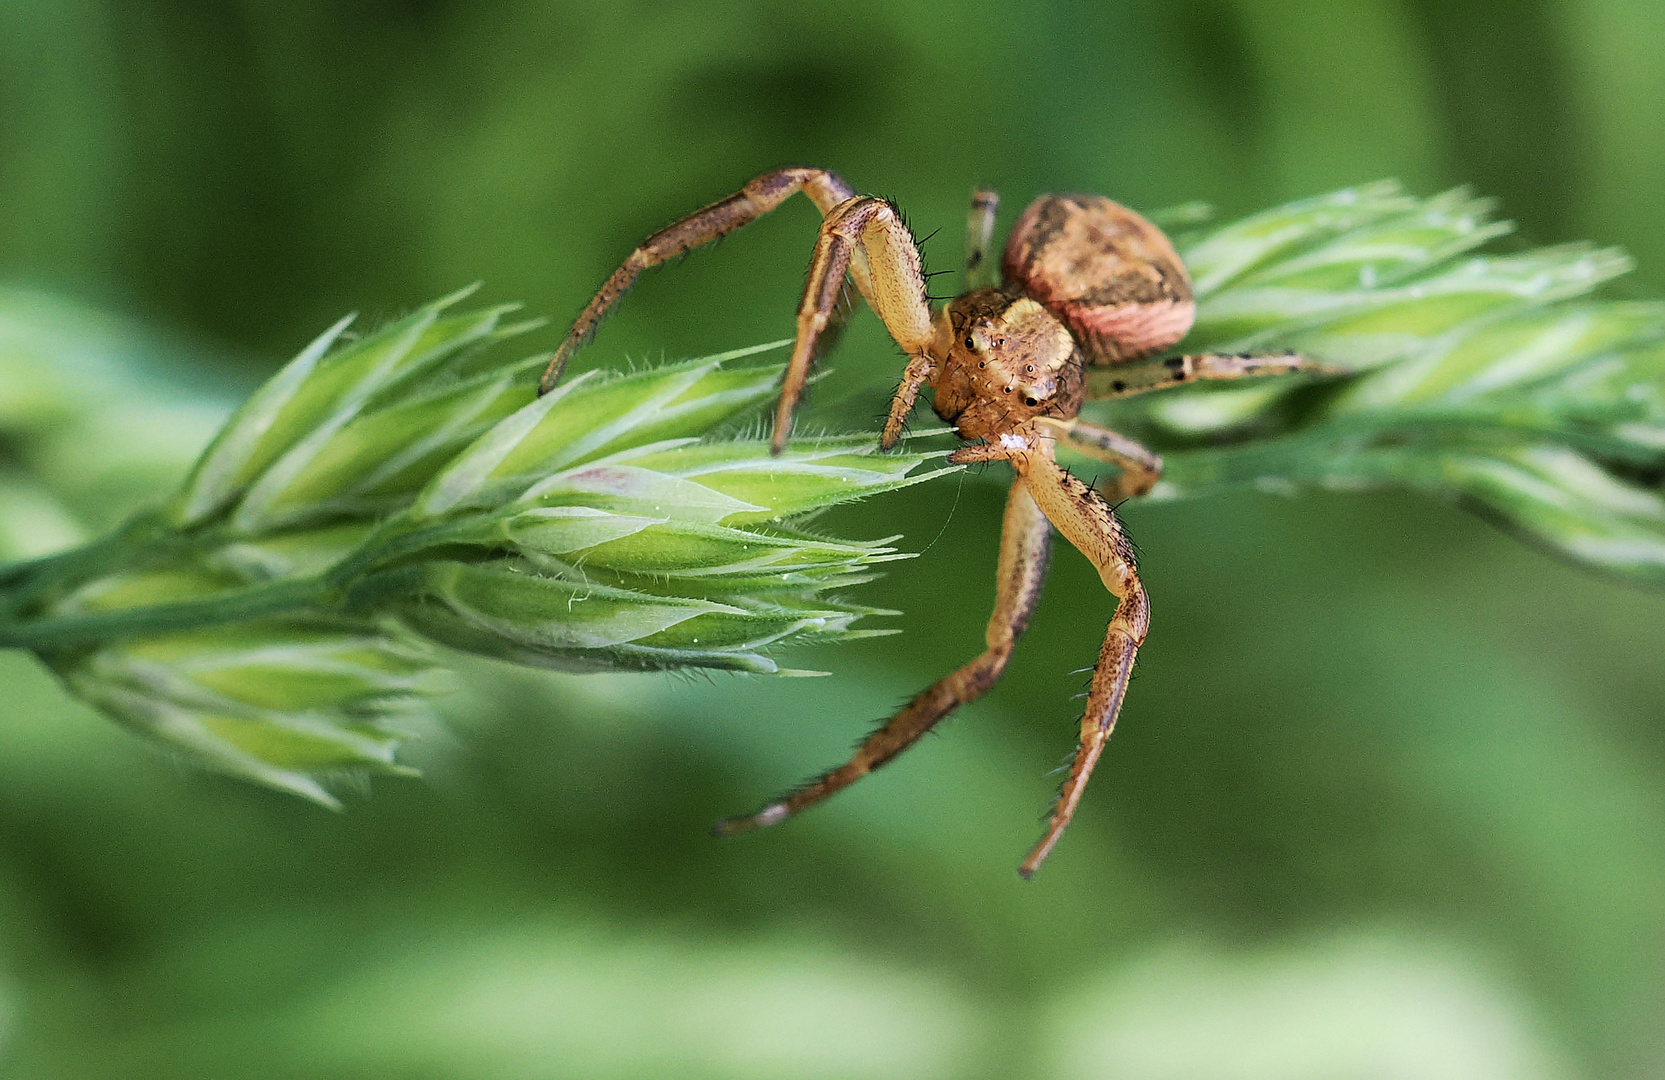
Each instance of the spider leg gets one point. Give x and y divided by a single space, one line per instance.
722 217
1125 380
919 370
1088 522
1140 467
979 230
896 290
1025 545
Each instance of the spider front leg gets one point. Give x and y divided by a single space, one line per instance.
1025 545
1126 380
896 290
722 217
1087 522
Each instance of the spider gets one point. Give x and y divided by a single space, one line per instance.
1086 284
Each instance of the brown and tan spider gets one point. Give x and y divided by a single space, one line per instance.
1085 283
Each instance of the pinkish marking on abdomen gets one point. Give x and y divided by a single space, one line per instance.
1129 331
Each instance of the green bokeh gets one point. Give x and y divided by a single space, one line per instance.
1389 794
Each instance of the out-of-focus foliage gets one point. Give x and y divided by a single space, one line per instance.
93 419
1387 798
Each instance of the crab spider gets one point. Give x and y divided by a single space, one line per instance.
1085 284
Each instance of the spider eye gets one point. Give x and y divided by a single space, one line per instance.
1030 401
969 343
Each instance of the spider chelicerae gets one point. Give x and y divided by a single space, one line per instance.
1085 284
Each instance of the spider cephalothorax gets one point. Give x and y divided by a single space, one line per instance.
1005 360
1086 283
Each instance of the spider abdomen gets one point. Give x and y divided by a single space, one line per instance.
1109 274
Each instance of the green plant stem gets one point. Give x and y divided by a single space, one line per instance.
275 598
139 542
394 539
133 544
21 582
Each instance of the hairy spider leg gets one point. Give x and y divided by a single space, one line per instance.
1087 522
827 190
1140 467
896 291
1025 547
980 272
979 231
916 374
1125 380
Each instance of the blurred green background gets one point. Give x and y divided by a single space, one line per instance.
1388 798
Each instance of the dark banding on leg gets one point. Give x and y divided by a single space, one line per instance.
827 190
1089 523
1140 467
980 270
1126 380
874 229
1025 547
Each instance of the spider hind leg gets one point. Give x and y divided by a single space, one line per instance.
1126 380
